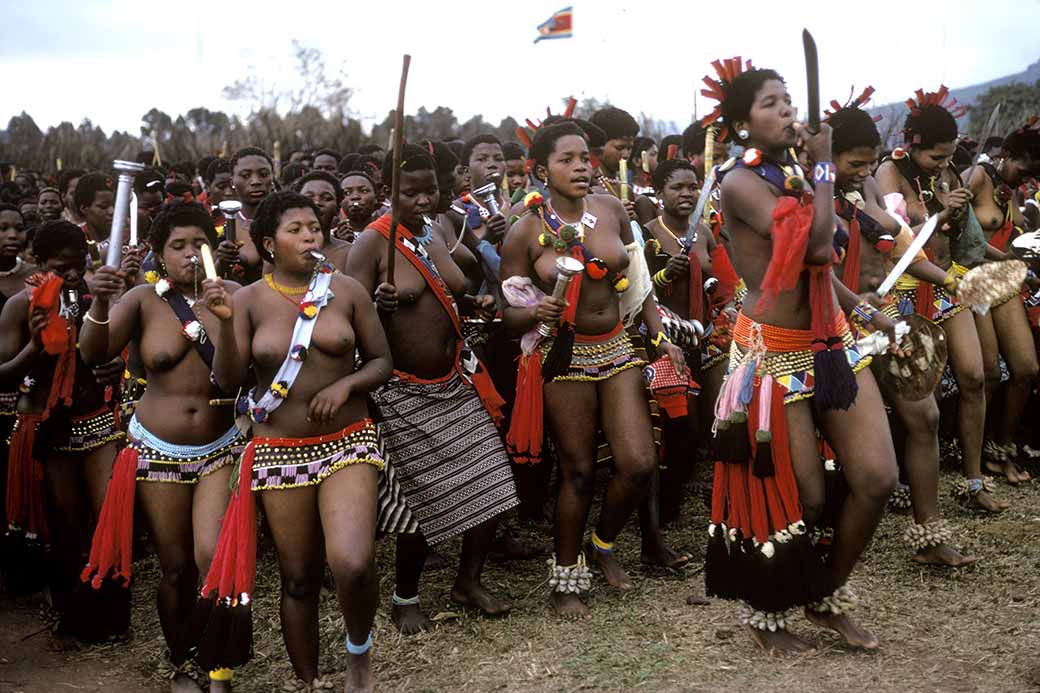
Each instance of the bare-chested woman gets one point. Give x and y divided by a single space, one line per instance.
315 456
875 241
1005 330
923 176
182 448
65 423
596 383
437 410
791 343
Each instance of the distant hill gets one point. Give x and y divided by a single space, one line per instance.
895 113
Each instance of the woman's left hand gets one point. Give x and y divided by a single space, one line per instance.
110 373
328 401
883 323
673 352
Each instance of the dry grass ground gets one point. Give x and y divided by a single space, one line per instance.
970 630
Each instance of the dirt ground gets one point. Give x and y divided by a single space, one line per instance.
974 629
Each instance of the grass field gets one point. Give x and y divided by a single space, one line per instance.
974 629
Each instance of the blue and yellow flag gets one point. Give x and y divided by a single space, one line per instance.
558 26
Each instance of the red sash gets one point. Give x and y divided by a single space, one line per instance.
480 378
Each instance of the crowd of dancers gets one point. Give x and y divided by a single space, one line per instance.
415 342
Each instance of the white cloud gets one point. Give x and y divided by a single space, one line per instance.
113 61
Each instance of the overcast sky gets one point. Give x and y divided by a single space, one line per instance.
112 61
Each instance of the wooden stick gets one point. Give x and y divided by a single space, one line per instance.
395 188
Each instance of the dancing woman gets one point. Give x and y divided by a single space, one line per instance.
920 172
180 449
875 240
315 457
592 376
793 368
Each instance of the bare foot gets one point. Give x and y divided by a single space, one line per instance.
663 555
570 606
410 619
1006 469
477 596
854 635
698 599
1020 472
182 683
943 554
612 570
359 674
780 642
984 500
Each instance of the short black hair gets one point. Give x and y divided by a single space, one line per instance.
202 165
665 169
269 215
328 152
929 126
320 175
68 175
512 151
443 157
1023 143
852 127
186 168
471 144
615 122
55 236
149 179
371 150
360 174
348 162
545 139
292 171
413 158
249 151
740 95
178 214
666 142
216 166
693 139
8 207
991 142
456 147
640 145
91 184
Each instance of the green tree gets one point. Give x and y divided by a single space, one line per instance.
1019 102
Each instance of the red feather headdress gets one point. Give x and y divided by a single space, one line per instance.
938 99
727 70
857 102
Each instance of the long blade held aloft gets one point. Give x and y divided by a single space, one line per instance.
991 126
698 211
908 257
812 80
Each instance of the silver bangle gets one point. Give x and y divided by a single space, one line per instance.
87 316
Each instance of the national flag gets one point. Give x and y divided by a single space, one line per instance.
560 25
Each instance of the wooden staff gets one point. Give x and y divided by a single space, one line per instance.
395 188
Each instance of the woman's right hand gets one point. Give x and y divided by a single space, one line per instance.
550 309
678 266
217 299
386 298
105 284
227 253
956 203
817 146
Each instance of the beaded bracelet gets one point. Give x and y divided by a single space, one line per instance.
864 312
823 172
661 279
661 337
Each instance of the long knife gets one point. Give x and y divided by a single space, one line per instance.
908 257
698 211
812 80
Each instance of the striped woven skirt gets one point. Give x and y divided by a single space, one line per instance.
453 469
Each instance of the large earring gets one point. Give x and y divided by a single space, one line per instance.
743 134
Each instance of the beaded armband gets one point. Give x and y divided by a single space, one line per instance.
661 279
661 337
864 313
823 172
